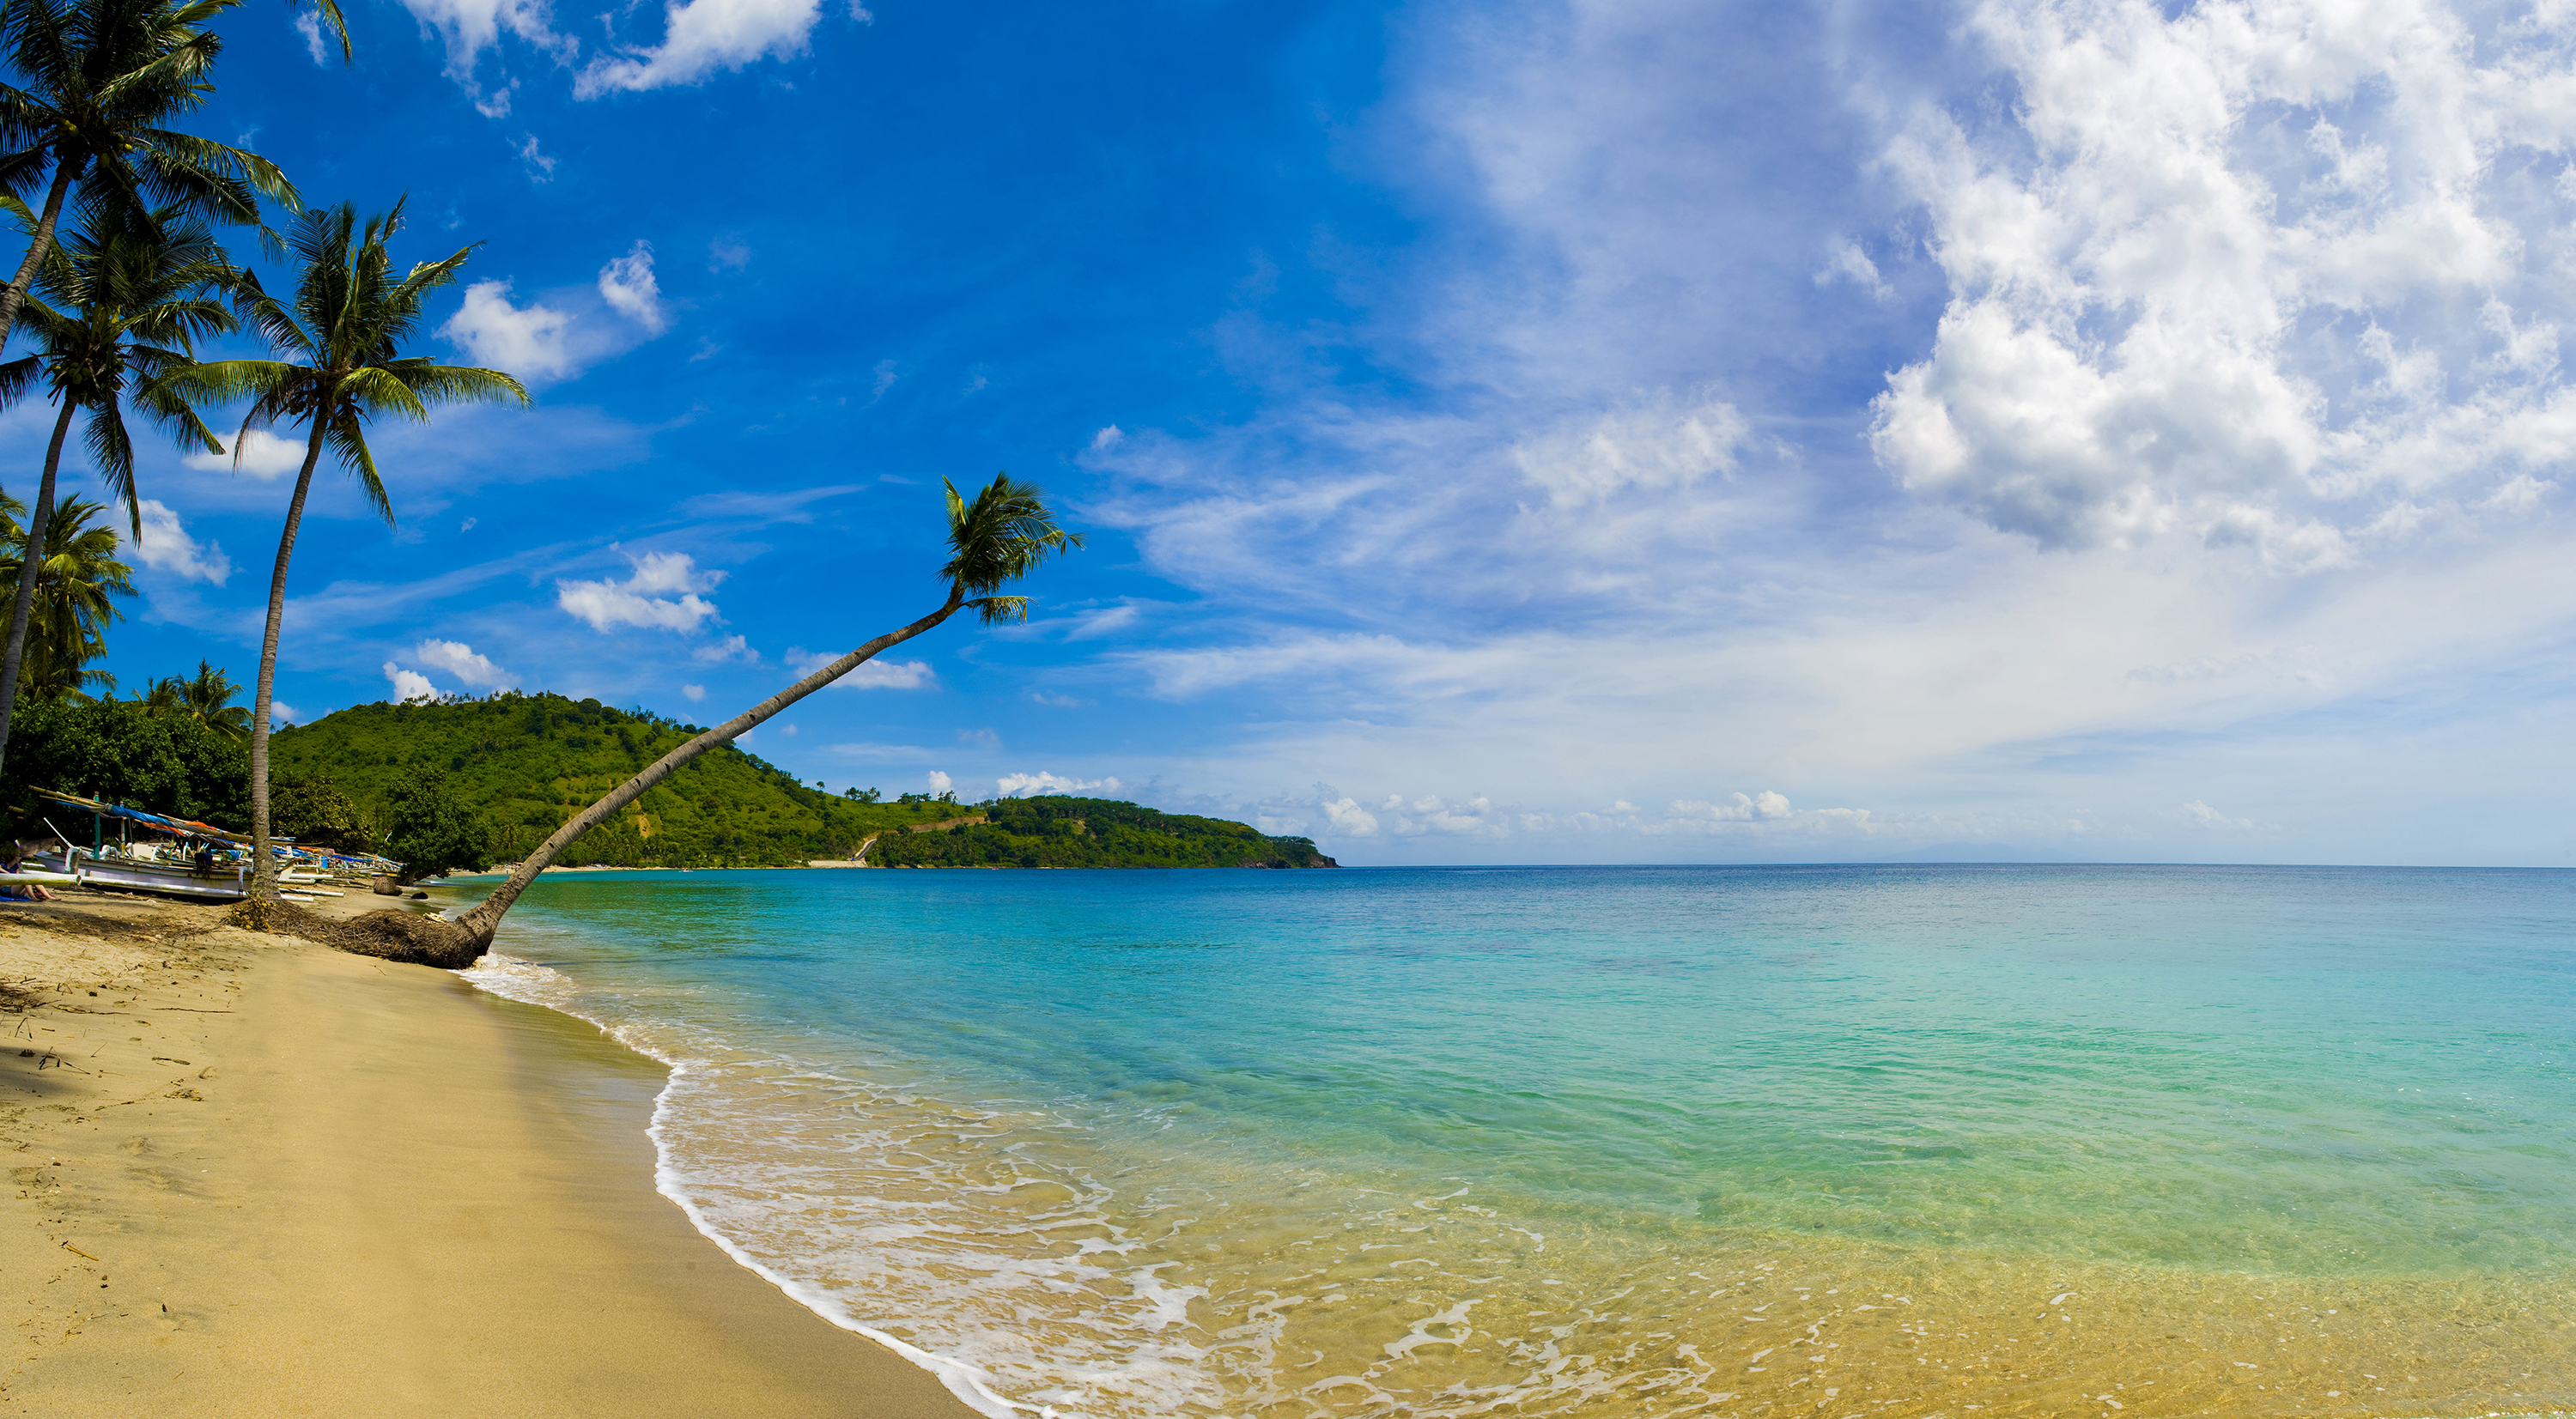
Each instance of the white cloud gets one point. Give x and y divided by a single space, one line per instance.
263 455
628 286
869 675
282 713
695 693
1350 819
941 783
1845 261
703 36
2246 274
2200 815
166 546
1659 442
309 25
471 26
541 168
459 659
408 684
530 342
730 648
665 593
1031 785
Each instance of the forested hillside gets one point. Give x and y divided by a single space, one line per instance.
522 764
1090 832
525 763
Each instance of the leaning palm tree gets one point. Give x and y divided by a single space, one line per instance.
101 79
207 699
995 540
342 335
74 582
122 302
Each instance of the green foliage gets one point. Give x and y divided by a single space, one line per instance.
111 749
207 698
1052 831
311 809
429 831
68 619
528 762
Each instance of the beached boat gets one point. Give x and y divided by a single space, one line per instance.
178 857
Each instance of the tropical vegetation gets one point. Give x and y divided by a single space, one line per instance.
343 334
1055 831
207 697
71 598
120 304
525 764
99 81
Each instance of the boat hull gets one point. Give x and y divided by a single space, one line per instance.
223 884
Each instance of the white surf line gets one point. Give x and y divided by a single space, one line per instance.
961 1379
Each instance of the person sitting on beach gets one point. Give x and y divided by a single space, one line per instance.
21 891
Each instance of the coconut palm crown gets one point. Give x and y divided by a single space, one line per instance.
342 334
207 698
74 579
99 83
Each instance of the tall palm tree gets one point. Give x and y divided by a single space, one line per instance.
122 302
74 581
343 335
101 79
207 698
995 540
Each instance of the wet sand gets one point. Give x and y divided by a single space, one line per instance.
254 1176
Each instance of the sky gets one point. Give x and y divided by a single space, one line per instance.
1593 432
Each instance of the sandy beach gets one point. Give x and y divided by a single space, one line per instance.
252 1175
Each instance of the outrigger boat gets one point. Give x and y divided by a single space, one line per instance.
199 861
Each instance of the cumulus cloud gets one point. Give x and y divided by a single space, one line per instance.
263 455
628 286
2247 273
1031 785
666 593
941 783
281 714
1349 818
166 546
869 675
530 341
694 693
702 37
460 660
1845 261
408 684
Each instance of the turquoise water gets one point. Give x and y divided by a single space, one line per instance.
1083 1132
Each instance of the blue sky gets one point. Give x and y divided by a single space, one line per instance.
1555 433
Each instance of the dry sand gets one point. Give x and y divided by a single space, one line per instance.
254 1176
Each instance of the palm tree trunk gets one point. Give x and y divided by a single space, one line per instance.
263 882
31 569
37 246
485 918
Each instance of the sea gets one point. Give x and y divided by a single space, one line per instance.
1624 1141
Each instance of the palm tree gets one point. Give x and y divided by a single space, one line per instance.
343 334
73 582
995 540
102 77
207 699
125 299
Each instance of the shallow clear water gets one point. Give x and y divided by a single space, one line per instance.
1585 1140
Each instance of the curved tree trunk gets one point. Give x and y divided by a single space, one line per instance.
470 935
263 882
31 569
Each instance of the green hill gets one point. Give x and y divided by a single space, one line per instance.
525 763
1088 832
528 762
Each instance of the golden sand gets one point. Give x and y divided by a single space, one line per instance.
252 1176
